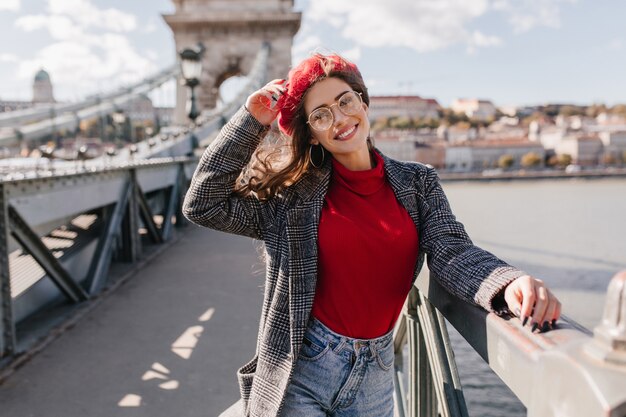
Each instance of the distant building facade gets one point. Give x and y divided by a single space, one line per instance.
42 88
165 115
479 155
42 94
585 150
12 105
432 154
412 107
474 108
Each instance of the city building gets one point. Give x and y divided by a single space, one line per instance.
614 145
584 149
431 153
42 88
457 134
165 115
412 107
42 94
482 154
13 105
474 108
397 146
402 143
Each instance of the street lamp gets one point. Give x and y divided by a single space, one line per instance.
191 67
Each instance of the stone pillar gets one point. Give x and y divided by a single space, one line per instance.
232 32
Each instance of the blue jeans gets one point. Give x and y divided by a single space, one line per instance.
339 376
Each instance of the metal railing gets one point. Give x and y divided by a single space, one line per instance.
564 372
59 235
63 225
38 122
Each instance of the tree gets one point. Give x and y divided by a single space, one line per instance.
619 109
506 161
595 109
400 123
571 111
427 122
563 160
451 118
526 121
608 159
380 124
531 159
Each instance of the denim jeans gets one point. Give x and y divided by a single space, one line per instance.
341 377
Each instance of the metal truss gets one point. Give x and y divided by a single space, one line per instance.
125 202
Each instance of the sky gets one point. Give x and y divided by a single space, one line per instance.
513 52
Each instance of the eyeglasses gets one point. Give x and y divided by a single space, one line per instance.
349 104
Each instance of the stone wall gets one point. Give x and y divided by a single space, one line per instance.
232 33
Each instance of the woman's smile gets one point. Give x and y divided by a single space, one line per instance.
347 133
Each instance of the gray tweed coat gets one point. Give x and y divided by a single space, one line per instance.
288 223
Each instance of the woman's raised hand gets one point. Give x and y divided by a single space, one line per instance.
263 103
530 299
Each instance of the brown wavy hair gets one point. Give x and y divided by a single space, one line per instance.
283 159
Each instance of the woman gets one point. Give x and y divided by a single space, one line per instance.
345 232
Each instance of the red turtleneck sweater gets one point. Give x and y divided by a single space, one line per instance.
367 253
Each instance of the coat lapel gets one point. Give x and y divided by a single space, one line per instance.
402 182
302 230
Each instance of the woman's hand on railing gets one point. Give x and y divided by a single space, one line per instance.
264 104
530 299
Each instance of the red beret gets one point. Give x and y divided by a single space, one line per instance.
303 76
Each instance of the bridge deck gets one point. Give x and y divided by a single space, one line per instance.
169 339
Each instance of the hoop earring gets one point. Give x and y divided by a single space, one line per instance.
311 156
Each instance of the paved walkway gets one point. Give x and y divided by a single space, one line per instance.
166 343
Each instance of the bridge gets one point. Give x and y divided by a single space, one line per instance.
112 304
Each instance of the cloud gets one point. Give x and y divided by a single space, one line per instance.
525 15
303 48
59 27
150 27
480 40
90 52
352 54
10 5
429 25
8 58
422 25
78 66
69 18
88 15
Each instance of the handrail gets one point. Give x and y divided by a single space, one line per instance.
563 372
96 217
124 192
176 143
45 111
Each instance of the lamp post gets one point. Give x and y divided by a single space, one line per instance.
191 67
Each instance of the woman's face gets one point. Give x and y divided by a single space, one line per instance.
346 138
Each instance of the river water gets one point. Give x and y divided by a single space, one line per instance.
571 233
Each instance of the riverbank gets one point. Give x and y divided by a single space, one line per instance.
532 175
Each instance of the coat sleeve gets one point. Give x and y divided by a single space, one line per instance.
467 271
210 200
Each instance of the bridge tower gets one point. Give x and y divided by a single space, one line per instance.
232 32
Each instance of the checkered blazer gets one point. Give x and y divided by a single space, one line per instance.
288 226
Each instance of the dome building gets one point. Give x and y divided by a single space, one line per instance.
42 88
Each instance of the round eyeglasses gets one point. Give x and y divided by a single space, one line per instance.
349 104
